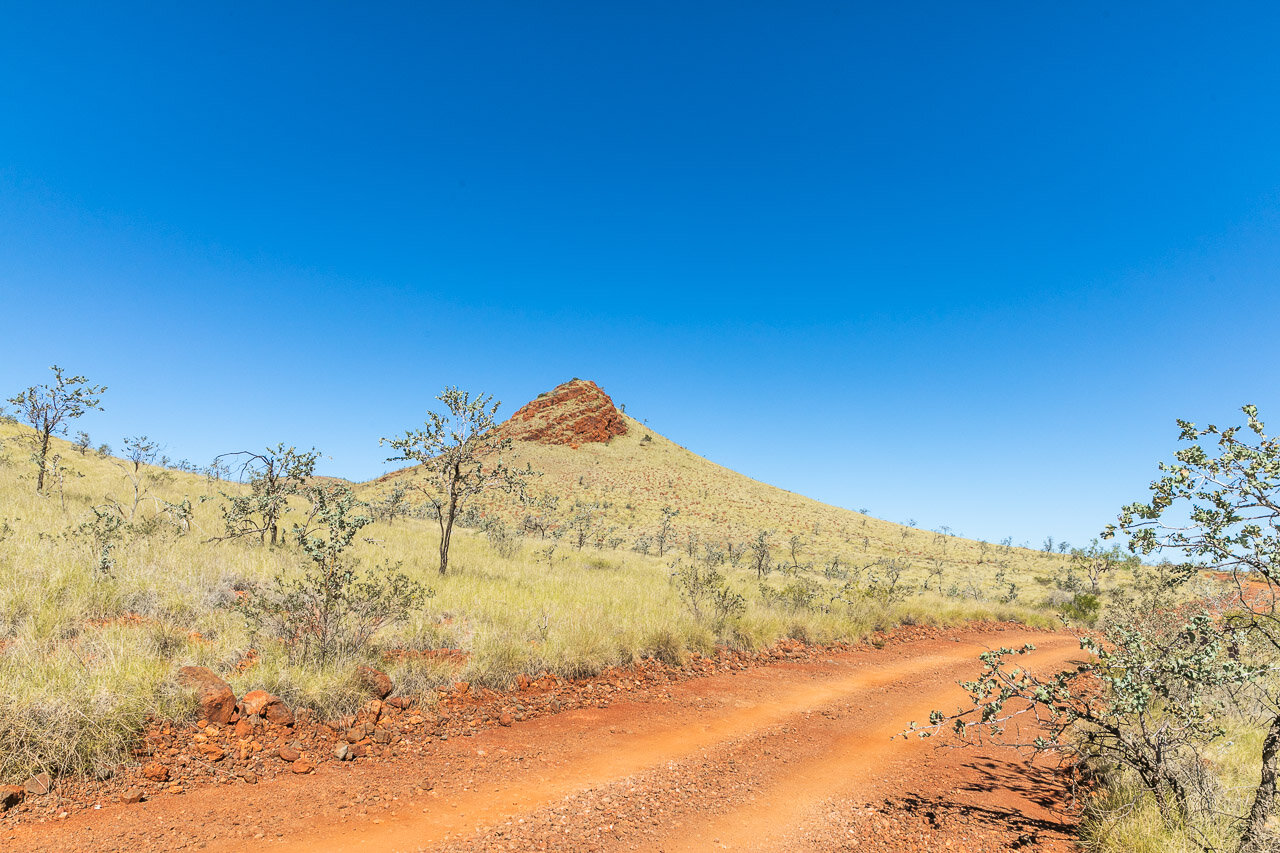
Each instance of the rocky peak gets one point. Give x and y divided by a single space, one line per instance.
574 413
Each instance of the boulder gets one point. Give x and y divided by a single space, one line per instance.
374 681
39 784
217 701
10 796
260 703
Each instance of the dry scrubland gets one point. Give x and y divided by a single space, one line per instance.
625 484
88 653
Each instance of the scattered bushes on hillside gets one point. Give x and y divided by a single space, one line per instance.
331 610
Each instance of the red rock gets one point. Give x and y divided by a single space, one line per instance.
303 765
359 750
244 728
461 687
505 720
374 681
210 752
39 784
133 795
217 702
10 796
260 703
289 753
156 772
574 413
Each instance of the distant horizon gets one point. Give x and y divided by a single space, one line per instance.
960 265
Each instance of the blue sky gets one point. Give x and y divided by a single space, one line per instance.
961 264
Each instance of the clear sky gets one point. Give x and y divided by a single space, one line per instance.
959 263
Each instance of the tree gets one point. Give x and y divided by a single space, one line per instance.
331 610
460 454
273 476
48 407
1218 506
1169 666
664 529
761 559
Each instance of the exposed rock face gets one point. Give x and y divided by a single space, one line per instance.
577 412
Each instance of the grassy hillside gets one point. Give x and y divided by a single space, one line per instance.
624 484
93 626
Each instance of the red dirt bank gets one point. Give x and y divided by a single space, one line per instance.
792 755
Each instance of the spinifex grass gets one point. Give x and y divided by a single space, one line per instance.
89 641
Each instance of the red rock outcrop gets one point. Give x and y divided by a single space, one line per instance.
577 412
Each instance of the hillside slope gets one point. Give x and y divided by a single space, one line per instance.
613 475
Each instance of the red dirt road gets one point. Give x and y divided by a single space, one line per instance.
793 756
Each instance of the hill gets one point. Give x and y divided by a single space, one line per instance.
606 479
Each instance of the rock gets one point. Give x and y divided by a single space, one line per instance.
39 784
260 703
461 687
133 795
576 412
10 796
342 752
289 753
401 702
381 736
156 772
210 752
359 750
374 681
505 720
244 727
303 765
217 702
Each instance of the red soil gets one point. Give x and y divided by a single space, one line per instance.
792 751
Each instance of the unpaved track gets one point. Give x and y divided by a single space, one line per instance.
786 757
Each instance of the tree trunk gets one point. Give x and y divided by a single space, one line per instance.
44 457
1264 800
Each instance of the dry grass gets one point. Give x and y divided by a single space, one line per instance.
86 654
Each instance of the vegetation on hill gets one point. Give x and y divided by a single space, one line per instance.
1177 707
123 569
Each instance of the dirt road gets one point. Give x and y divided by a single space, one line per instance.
795 756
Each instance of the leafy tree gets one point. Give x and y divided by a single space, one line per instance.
1168 667
707 595
761 559
460 454
47 408
663 536
1226 484
273 477
332 610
